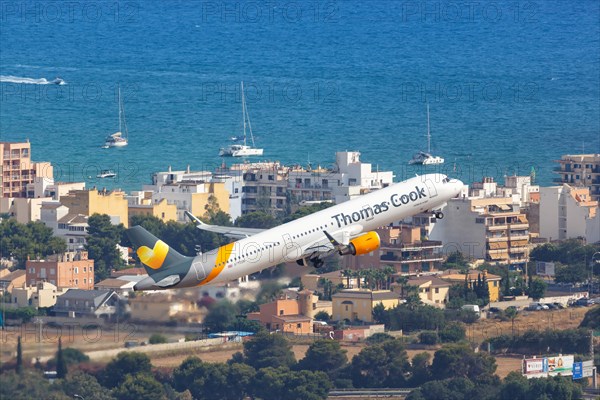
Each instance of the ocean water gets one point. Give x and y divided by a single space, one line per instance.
511 85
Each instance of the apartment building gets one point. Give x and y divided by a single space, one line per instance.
18 170
67 270
569 212
188 190
490 229
580 170
141 203
89 202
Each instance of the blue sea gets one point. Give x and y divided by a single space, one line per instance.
511 85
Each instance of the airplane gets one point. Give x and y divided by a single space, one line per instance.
346 228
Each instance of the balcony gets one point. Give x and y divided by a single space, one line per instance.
410 260
495 239
519 237
492 228
519 226
426 245
521 249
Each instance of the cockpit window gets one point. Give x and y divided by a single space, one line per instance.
446 180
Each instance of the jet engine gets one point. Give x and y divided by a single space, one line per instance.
361 245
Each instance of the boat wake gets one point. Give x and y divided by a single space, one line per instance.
31 81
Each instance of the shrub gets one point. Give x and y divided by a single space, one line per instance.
428 337
157 338
453 332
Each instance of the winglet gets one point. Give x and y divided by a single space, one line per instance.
342 249
194 219
334 242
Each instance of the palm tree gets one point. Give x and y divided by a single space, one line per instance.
388 270
347 273
402 281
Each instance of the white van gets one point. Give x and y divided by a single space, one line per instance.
473 308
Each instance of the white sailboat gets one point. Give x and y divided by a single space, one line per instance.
118 139
426 158
242 150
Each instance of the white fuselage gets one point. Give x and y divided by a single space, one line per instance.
303 237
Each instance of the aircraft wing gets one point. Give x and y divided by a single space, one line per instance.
229 231
330 243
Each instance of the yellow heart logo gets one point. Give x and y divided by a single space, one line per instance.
155 257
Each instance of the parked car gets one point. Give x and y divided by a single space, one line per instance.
551 306
584 301
537 307
559 306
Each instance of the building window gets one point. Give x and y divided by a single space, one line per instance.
437 290
298 326
76 281
76 270
52 271
280 312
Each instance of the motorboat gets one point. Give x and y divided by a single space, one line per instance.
106 173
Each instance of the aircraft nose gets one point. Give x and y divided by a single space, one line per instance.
457 186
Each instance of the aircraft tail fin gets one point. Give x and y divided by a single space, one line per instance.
154 254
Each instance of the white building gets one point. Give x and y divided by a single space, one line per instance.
187 190
356 177
568 212
71 227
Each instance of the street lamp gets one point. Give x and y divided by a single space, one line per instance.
4 284
594 261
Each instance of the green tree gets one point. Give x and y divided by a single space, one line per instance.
61 364
31 240
322 316
281 383
265 350
211 207
324 355
574 273
157 338
30 384
84 385
126 363
307 210
537 288
458 360
428 337
515 387
139 386
239 381
456 260
19 365
101 245
257 219
379 337
420 369
381 365
221 316
452 332
591 319
511 313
